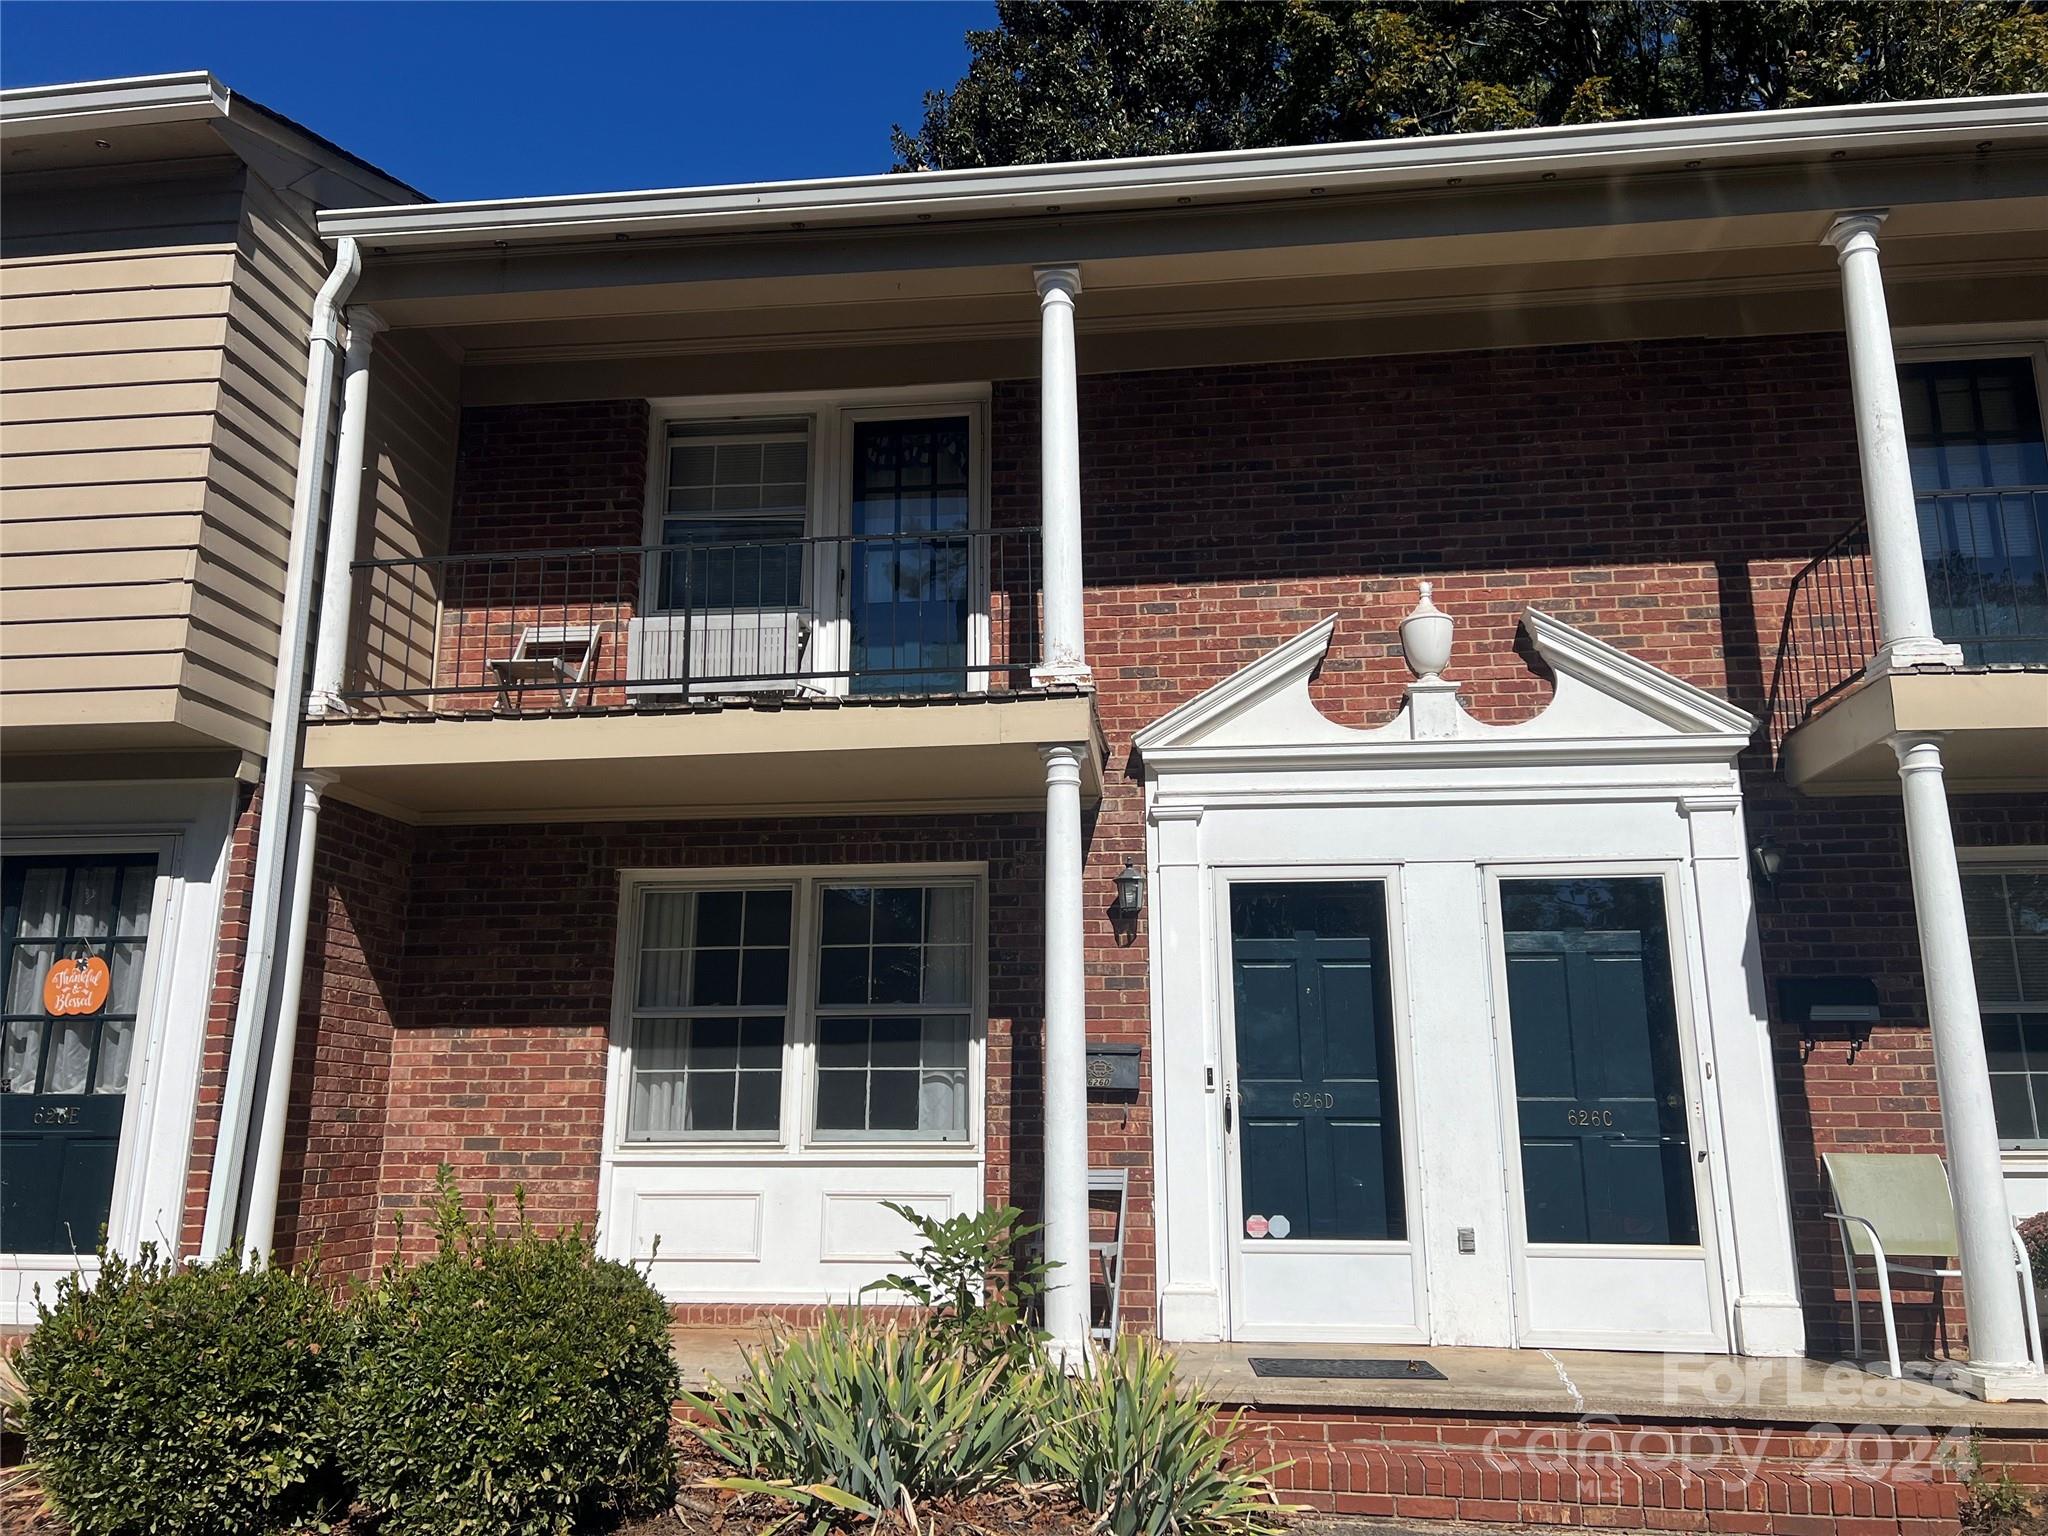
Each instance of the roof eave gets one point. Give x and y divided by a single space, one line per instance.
1233 176
192 95
32 112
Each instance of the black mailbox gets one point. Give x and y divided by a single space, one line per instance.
1818 1006
1112 1066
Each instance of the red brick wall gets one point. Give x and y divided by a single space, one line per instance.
534 477
335 1126
497 1068
1658 494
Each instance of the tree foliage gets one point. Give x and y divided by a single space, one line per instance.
1095 79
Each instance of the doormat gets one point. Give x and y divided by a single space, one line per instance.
1347 1370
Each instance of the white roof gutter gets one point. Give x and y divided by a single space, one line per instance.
1807 133
39 109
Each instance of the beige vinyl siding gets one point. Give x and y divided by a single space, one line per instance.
238 596
409 493
115 304
153 341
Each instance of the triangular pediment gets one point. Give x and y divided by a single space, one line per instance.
1606 701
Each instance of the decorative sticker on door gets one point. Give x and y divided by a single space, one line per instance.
1255 1226
1278 1226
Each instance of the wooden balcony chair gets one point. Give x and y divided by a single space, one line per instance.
1890 1205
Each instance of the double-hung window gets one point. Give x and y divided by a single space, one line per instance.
736 501
2007 909
816 1010
894 963
711 1015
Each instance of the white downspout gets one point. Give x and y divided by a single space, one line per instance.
259 1222
281 756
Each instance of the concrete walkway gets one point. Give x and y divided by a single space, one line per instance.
1717 1389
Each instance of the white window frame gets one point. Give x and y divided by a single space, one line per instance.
832 417
2014 857
795 1141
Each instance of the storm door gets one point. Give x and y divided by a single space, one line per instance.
74 933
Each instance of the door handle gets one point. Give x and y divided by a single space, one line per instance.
1229 1112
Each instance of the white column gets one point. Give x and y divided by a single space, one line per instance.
1999 1367
1066 1060
1905 624
1066 653
337 581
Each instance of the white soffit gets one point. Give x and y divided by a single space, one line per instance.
1609 706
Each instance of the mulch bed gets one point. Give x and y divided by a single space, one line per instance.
703 1511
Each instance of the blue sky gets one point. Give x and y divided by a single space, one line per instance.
509 100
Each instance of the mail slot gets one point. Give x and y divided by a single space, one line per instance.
1112 1066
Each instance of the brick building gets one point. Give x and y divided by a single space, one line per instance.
918 690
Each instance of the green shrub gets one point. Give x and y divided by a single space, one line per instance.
510 1383
868 1418
969 1276
1143 1450
195 1398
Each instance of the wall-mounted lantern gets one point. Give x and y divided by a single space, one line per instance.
1766 859
1130 890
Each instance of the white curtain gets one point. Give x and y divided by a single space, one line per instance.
42 893
942 1089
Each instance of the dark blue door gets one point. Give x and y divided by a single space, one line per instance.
1599 1085
63 1089
1318 1119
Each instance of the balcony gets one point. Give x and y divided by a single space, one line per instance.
718 677
1987 577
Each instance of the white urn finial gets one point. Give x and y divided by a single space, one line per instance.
1426 637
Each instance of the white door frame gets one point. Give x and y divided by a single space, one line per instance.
187 826
832 416
1231 1236
1626 762
1707 1172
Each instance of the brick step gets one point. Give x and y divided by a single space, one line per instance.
1732 1491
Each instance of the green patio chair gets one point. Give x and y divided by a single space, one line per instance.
1890 1205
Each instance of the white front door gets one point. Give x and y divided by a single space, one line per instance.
1610 1211
1318 1207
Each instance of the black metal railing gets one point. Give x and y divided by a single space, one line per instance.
633 626
1987 572
1986 555
1829 632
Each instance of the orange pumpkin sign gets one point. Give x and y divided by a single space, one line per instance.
76 984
